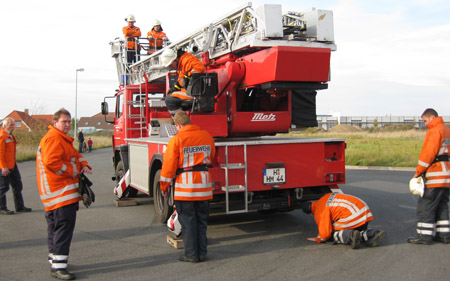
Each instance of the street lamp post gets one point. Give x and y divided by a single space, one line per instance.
76 99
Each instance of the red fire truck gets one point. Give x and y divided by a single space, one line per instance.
263 72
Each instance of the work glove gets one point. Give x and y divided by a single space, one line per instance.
84 188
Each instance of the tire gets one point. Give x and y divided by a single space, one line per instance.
162 209
120 171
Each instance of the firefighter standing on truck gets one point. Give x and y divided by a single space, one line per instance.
343 219
58 165
155 37
432 209
132 34
187 158
186 64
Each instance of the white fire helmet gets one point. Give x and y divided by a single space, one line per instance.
168 56
417 186
173 224
157 22
130 18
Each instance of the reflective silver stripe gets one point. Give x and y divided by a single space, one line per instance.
425 232
73 164
164 179
193 185
59 192
425 225
443 229
438 174
320 238
8 141
421 163
430 181
62 199
355 222
62 170
443 222
43 175
60 257
193 194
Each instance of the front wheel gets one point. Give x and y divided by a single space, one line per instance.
162 209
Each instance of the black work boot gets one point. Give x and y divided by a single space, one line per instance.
63 274
6 212
418 240
443 240
355 239
376 239
188 259
23 210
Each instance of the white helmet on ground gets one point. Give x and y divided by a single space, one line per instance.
417 186
168 56
130 18
173 224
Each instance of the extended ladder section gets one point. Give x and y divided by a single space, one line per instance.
228 167
244 30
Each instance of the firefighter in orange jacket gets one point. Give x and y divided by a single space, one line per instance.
132 34
156 36
9 172
432 209
58 165
186 64
187 158
343 219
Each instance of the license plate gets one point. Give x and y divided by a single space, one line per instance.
274 175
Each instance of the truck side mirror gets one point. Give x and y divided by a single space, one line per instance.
105 108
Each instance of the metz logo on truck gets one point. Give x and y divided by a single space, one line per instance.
263 117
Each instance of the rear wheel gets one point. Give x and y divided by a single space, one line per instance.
162 209
120 172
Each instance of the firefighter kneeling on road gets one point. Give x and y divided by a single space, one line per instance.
343 219
187 158
186 64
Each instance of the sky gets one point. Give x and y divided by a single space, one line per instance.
392 57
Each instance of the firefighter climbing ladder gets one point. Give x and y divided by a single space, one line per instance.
241 30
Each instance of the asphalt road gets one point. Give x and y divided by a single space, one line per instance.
127 243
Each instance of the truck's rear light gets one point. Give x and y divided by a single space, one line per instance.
334 177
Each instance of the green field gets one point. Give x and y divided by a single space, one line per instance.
393 147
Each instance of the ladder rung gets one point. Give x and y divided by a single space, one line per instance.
232 166
232 188
237 211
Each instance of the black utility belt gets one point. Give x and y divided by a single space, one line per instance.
442 158
196 168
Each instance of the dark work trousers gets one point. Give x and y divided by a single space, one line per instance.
432 214
193 219
80 146
343 236
60 227
173 103
15 180
133 55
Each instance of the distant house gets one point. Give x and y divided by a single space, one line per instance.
25 122
46 119
96 123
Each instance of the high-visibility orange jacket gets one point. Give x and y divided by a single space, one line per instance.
56 160
335 211
131 32
157 39
191 146
7 150
437 143
187 64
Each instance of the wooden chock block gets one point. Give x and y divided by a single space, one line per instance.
125 202
177 243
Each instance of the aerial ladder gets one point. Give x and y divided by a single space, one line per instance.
243 30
